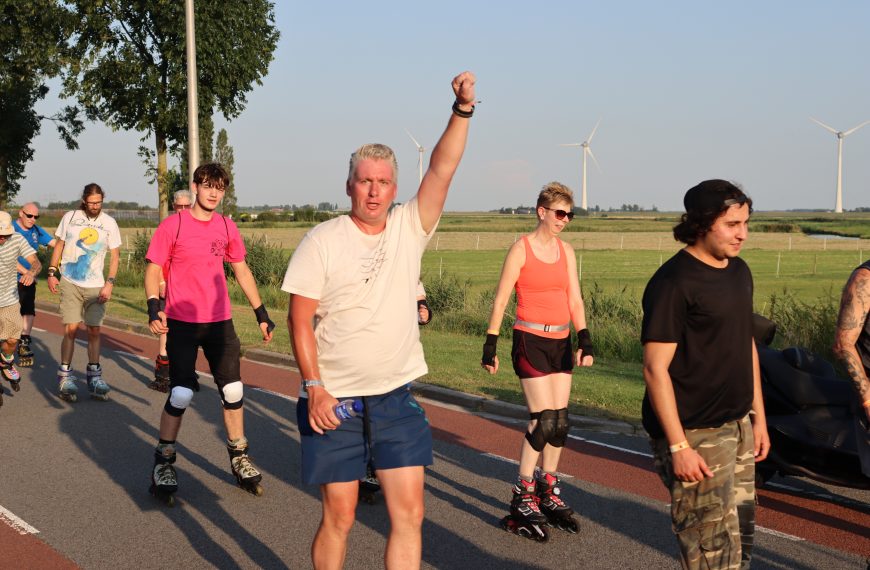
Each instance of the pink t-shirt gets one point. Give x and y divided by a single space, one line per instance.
196 287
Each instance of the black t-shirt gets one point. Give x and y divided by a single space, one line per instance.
707 311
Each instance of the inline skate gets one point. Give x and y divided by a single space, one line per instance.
164 479
558 514
247 476
67 389
9 372
161 374
369 487
25 353
525 518
98 389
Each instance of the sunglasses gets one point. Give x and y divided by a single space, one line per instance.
31 216
561 214
181 206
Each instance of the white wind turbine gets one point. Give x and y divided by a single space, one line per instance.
838 208
420 150
587 150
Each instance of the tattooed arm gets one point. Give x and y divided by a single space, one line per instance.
853 313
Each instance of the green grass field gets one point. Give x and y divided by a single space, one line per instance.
616 256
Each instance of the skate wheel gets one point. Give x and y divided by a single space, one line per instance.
568 525
531 531
101 397
68 397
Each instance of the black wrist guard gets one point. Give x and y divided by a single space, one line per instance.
488 358
263 317
460 113
153 309
584 343
423 303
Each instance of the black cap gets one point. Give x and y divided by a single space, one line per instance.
713 196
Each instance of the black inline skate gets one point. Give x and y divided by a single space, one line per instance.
9 372
558 514
161 374
25 353
526 519
247 476
369 487
164 480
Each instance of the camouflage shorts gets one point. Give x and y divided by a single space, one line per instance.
714 519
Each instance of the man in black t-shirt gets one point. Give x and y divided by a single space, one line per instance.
703 408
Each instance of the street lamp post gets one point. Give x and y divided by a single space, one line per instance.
192 97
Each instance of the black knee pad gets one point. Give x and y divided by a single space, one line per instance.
562 427
544 429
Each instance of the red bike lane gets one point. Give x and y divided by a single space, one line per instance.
835 525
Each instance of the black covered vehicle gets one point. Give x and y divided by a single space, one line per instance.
814 420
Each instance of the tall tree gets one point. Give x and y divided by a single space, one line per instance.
224 155
132 66
33 38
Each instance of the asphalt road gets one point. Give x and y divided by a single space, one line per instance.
74 480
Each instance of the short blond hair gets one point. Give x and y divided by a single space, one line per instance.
373 151
553 192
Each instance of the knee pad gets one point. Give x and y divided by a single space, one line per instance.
544 429
178 400
562 427
232 395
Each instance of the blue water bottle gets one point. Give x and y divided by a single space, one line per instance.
347 409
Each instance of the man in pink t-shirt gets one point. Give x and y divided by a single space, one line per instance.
190 249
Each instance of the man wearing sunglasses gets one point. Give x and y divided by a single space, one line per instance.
35 237
703 408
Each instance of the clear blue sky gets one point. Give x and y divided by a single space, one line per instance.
685 91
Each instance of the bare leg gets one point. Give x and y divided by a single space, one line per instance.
403 492
68 345
94 345
27 324
234 420
329 547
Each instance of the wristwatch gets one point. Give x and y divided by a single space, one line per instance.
306 384
110 280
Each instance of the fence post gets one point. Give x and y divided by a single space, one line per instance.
815 261
437 242
778 259
580 268
789 243
440 266
478 242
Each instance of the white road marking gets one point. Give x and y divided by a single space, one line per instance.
602 444
15 522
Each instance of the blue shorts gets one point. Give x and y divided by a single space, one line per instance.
399 437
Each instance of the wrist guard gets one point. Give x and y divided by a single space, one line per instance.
584 343
489 350
263 317
153 309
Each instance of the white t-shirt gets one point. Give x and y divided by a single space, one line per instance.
365 326
10 250
86 242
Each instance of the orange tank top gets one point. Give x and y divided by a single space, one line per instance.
542 293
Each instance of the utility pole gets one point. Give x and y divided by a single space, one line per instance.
192 97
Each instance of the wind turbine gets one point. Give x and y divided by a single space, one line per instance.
587 150
838 208
420 150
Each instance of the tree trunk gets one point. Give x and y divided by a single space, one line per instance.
162 186
4 185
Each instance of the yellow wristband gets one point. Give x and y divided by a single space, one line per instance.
679 446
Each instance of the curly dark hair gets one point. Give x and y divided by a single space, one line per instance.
704 204
212 172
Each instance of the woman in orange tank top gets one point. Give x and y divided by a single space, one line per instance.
543 271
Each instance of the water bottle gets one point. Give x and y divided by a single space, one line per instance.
347 409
